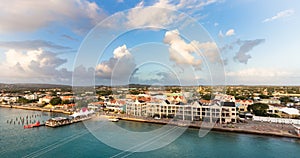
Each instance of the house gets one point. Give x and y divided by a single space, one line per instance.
45 99
274 109
243 105
69 98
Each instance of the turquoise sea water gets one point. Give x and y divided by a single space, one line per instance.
76 141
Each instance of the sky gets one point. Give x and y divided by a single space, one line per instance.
158 42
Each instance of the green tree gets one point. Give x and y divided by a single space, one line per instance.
285 99
240 97
65 102
55 101
264 96
23 100
104 92
258 109
207 97
134 92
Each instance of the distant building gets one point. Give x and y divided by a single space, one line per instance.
45 99
243 105
269 101
224 98
289 113
69 98
30 96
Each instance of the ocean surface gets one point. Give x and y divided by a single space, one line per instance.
76 141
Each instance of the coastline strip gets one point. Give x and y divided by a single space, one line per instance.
222 129
36 109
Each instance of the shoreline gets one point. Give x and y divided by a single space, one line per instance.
35 109
179 123
220 129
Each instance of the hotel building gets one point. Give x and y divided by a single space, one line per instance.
223 112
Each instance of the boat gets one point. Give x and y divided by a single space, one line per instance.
113 119
37 124
80 116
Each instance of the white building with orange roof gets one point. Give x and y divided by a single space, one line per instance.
69 98
45 99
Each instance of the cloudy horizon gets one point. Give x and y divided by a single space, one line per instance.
226 42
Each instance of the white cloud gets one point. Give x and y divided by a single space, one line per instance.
282 14
230 32
180 51
158 15
258 72
120 52
194 4
183 53
30 45
119 67
30 15
221 35
161 13
38 65
263 76
216 24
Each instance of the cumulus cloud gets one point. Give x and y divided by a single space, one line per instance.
30 15
246 46
183 53
230 32
180 51
30 45
119 67
38 65
279 15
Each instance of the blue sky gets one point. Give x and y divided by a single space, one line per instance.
155 42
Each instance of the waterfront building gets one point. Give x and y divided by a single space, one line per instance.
136 108
225 112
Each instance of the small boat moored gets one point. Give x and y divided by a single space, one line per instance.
37 124
112 119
